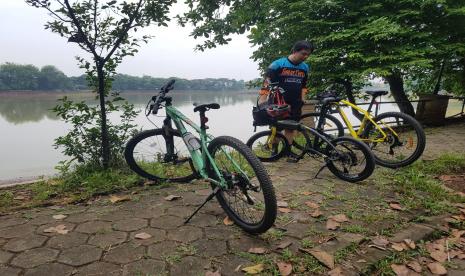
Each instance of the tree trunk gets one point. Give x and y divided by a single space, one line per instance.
396 84
103 114
438 83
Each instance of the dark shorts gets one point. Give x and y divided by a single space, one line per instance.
296 110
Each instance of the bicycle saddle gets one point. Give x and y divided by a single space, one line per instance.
287 124
377 93
205 107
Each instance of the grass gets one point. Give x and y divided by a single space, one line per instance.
343 253
355 228
79 184
419 187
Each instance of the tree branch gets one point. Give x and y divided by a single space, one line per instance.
124 31
80 31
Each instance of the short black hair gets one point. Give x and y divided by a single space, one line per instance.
302 45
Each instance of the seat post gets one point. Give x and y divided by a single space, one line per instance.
203 119
373 98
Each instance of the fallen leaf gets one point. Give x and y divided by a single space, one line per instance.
339 218
380 241
284 244
410 243
437 268
172 197
336 272
454 253
284 210
460 217
445 177
312 205
284 268
306 193
115 199
227 221
322 256
210 273
400 270
332 225
282 204
257 250
436 246
397 246
395 206
238 268
19 197
462 210
59 216
415 266
143 236
315 214
457 233
461 256
325 239
254 269
60 229
439 256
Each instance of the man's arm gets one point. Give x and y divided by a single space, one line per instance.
271 76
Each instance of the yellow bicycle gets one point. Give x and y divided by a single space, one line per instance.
395 138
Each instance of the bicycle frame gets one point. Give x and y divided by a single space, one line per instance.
200 157
366 118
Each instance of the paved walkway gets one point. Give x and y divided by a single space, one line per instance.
100 238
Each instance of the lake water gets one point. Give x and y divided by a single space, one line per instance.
28 127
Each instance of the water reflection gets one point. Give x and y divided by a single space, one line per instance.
18 108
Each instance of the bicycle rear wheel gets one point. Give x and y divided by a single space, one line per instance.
349 159
249 200
147 154
404 143
331 126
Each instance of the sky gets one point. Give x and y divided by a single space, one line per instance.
169 54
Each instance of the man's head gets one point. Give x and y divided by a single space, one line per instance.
301 50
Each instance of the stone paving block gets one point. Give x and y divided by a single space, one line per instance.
92 227
80 255
189 266
24 243
17 231
52 269
109 239
131 224
34 257
162 249
5 256
71 239
100 269
144 267
167 222
185 234
415 232
125 253
9 271
157 236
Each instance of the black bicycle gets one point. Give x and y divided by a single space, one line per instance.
345 157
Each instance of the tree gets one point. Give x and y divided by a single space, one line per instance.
19 77
106 31
52 79
355 40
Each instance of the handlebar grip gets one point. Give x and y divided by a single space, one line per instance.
168 85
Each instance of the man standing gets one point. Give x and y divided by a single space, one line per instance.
290 73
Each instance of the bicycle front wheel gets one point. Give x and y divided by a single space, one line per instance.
404 142
266 147
158 156
349 159
249 199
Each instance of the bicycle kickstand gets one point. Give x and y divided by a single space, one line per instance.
215 191
320 170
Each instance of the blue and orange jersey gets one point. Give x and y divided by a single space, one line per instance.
291 77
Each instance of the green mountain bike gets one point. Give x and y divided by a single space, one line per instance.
238 178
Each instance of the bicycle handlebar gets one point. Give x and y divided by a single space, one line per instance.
161 95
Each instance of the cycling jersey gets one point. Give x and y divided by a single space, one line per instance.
289 76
